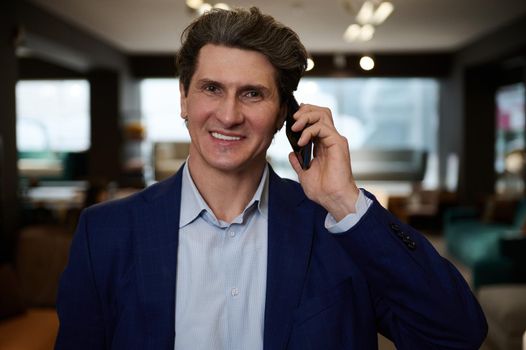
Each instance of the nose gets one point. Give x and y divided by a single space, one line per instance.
229 112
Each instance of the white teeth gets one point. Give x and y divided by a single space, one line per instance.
224 137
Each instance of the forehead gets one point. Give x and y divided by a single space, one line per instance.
234 65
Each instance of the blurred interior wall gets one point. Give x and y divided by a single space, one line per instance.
8 155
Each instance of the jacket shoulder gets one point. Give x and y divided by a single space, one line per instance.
117 211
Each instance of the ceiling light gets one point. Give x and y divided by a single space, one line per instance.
310 64
382 12
366 63
194 4
356 32
366 32
370 14
366 12
204 8
352 33
221 5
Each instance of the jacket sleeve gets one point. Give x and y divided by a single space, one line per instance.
78 302
421 300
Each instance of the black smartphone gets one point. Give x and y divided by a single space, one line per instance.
304 154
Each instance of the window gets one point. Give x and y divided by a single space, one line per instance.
510 123
53 115
510 140
373 113
161 110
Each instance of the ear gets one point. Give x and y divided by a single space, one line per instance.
184 108
282 115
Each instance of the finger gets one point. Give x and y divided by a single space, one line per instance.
313 115
304 119
323 112
295 163
317 131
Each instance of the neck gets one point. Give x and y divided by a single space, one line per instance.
228 193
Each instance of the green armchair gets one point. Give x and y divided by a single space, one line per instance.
493 251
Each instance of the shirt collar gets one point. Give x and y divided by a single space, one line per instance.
194 205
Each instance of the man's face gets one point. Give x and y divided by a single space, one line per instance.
232 107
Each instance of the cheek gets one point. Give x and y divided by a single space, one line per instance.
199 111
267 117
272 123
267 128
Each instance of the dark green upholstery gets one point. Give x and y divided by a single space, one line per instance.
44 155
494 252
74 163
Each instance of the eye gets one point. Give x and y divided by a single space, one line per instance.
211 88
252 94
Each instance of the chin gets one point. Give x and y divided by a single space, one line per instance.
233 165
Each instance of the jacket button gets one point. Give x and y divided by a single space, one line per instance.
411 245
395 227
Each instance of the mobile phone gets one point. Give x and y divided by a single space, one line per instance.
304 154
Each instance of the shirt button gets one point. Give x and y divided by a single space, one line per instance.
232 233
234 292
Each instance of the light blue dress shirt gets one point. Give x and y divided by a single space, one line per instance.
222 270
221 273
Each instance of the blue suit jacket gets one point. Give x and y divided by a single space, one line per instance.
324 291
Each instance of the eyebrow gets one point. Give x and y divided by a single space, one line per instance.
205 81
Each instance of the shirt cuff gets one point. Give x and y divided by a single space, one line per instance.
362 205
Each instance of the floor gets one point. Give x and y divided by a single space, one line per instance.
34 330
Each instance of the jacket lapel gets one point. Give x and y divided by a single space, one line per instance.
290 232
155 243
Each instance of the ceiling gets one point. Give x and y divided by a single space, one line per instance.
154 26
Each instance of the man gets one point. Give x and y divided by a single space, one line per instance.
226 255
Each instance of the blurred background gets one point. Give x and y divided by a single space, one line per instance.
430 94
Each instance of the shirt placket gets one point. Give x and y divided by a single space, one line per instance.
233 286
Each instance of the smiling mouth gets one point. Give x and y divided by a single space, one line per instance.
219 136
